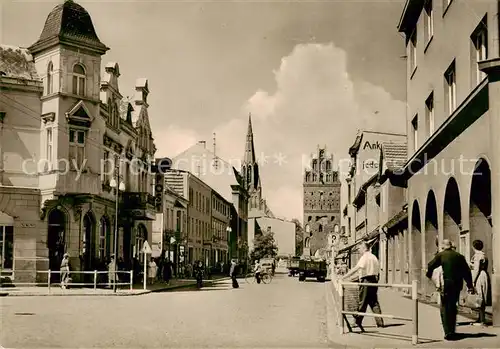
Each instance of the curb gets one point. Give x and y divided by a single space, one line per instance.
206 282
111 294
90 294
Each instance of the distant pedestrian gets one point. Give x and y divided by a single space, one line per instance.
233 273
112 272
455 271
152 270
479 266
198 273
64 271
368 268
167 271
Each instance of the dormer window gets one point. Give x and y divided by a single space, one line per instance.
79 80
50 80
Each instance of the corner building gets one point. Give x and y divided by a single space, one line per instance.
453 118
84 129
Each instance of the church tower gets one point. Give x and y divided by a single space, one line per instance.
250 171
321 202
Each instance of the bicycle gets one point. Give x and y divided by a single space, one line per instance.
265 277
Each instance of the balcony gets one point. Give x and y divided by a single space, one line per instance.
139 206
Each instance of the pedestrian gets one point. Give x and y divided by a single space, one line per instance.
258 271
479 266
455 271
368 268
233 273
167 271
152 270
198 273
64 271
112 271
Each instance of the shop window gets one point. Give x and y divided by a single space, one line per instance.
7 247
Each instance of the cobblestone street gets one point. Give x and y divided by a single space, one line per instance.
284 313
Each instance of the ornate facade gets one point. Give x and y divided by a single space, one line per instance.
88 137
321 203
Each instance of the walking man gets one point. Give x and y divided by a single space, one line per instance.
232 273
455 272
368 268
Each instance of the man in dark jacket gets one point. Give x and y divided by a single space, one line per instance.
232 273
455 272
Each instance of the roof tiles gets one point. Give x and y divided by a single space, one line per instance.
395 155
16 62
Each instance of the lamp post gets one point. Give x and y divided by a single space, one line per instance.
118 187
228 231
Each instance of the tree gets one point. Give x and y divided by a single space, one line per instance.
299 237
264 247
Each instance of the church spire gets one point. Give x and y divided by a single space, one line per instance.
249 157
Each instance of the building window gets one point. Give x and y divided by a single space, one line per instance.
178 221
414 124
451 88
76 147
50 80
377 200
480 43
49 146
6 247
429 21
102 239
79 80
429 110
413 51
106 165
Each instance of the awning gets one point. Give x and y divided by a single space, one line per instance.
397 219
370 239
342 255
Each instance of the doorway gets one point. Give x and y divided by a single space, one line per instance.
56 240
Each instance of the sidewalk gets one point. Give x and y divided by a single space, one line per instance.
122 291
397 333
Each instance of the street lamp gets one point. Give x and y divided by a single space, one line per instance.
118 187
228 231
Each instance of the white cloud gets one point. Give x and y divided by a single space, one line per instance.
174 140
315 102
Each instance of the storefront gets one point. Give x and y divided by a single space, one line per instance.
6 244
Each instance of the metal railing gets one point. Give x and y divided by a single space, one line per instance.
342 320
49 283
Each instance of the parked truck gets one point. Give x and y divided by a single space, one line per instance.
312 268
293 266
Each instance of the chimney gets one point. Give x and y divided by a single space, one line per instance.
204 143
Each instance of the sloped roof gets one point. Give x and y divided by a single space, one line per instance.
219 179
16 62
69 22
394 155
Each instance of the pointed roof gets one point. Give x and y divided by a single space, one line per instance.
69 23
249 157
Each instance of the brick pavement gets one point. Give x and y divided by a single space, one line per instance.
398 333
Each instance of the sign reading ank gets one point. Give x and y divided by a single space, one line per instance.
368 158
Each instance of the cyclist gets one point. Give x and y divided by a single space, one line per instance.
258 271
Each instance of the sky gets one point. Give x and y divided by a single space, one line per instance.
310 73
